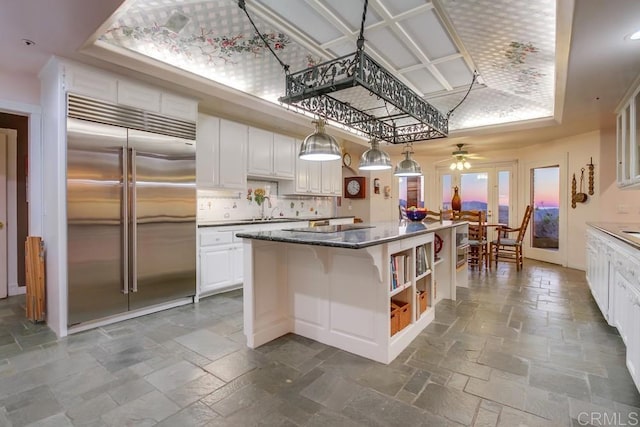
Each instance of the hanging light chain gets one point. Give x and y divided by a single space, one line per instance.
360 42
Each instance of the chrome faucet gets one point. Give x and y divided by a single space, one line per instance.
266 199
275 208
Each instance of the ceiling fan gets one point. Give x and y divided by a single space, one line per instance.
461 158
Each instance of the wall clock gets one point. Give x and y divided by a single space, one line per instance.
346 159
355 187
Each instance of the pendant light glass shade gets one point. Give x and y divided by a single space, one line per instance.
320 146
408 166
374 159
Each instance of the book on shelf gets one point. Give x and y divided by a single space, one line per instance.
422 262
399 271
394 275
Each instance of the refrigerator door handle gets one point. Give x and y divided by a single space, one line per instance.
125 221
134 225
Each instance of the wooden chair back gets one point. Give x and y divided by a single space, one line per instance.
476 223
525 222
433 216
402 211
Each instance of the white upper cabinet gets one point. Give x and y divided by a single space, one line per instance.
233 155
260 148
221 153
270 155
332 177
91 83
284 156
314 178
207 151
179 107
138 96
102 85
628 141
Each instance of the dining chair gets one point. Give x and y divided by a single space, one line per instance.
402 211
433 216
510 250
477 255
448 214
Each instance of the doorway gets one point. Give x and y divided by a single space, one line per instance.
411 191
489 188
546 232
17 128
8 212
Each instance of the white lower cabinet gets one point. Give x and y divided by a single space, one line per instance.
613 274
221 258
218 268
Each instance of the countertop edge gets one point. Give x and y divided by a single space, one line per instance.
226 223
614 230
266 236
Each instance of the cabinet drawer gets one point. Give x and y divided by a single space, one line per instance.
216 238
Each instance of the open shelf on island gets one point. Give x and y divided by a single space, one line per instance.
423 275
399 289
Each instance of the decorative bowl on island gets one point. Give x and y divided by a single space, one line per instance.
416 214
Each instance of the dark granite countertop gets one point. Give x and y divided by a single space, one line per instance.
617 230
378 233
227 222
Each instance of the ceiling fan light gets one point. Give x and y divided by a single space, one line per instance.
319 146
467 165
453 166
374 159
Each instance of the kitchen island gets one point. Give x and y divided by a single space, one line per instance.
368 289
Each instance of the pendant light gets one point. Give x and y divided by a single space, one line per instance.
408 166
374 159
320 146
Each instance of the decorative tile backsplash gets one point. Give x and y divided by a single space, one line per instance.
220 205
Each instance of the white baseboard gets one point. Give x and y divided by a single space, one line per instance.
14 289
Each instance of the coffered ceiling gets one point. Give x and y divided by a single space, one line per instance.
432 46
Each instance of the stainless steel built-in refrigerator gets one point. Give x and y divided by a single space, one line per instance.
131 210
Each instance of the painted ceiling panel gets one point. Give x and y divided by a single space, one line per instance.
429 34
388 45
424 81
511 42
350 12
299 13
342 48
456 72
396 7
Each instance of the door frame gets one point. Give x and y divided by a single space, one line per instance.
34 179
10 151
555 257
491 169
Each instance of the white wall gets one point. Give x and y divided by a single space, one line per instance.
19 88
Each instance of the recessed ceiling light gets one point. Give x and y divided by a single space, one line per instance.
635 36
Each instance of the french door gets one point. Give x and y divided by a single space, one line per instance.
488 188
546 234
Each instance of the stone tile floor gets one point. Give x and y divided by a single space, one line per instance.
528 349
